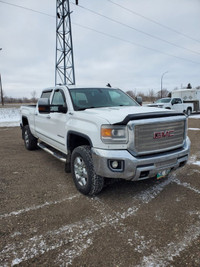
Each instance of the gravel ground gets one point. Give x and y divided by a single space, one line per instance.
46 222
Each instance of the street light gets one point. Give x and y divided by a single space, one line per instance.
162 82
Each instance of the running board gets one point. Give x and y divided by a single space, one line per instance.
50 151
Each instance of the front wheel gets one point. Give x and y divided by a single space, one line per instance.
84 176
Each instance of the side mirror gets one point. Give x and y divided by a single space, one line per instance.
62 109
44 105
139 100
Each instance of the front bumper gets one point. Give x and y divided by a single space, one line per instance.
138 168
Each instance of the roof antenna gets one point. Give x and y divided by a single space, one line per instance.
108 85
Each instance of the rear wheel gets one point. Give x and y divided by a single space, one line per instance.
84 176
29 140
189 111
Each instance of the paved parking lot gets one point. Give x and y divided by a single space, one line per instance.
46 222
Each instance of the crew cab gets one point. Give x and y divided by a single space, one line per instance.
174 104
103 133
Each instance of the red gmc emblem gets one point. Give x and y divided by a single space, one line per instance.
158 135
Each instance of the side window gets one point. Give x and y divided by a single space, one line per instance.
58 100
173 101
176 101
46 94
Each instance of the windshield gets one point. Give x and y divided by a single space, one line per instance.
163 100
84 98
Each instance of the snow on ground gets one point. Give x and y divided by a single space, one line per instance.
194 129
9 117
195 116
193 160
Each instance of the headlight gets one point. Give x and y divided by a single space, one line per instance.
114 134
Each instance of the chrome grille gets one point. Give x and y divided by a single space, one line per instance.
172 136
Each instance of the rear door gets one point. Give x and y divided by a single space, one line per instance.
42 119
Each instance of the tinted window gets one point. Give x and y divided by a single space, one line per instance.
163 100
58 101
46 94
58 98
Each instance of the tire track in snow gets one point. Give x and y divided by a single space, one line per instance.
186 185
115 220
79 235
16 213
162 257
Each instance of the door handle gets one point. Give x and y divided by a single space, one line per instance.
48 117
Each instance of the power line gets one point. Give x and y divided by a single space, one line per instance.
105 34
133 43
135 29
26 8
154 21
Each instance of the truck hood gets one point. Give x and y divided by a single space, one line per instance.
117 114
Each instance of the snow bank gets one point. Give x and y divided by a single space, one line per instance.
9 117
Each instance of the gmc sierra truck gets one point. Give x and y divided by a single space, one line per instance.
103 133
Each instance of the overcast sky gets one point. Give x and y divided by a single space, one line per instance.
28 42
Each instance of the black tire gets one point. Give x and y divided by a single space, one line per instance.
29 140
189 111
84 176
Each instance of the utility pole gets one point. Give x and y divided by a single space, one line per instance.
64 71
1 90
161 83
2 100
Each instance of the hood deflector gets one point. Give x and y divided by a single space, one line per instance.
152 115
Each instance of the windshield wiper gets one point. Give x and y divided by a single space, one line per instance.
79 109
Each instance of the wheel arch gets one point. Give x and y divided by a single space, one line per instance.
24 121
75 139
23 124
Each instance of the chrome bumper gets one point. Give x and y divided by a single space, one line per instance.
138 168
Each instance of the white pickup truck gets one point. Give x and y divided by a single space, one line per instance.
174 104
103 133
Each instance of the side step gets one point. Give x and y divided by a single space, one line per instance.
52 151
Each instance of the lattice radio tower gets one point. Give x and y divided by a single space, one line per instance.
64 73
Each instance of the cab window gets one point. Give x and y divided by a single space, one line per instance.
58 101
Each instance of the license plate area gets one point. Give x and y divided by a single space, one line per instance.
163 173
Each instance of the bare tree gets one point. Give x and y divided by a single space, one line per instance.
165 93
151 95
131 93
34 96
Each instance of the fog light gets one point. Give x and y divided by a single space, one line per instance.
114 164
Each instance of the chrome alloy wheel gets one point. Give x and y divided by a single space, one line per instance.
80 171
26 138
